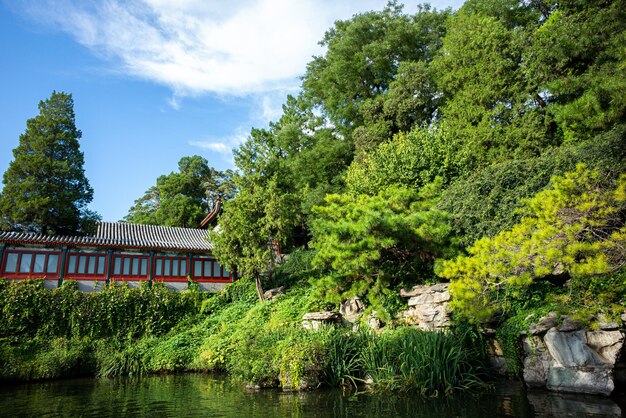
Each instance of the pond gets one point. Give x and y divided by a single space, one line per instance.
217 396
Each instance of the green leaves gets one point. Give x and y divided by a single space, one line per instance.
45 188
578 56
575 227
372 243
28 310
183 198
363 57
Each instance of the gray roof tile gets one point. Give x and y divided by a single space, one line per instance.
123 235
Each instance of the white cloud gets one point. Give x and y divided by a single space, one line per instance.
213 146
203 46
224 145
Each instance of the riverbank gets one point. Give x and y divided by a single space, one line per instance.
60 333
49 334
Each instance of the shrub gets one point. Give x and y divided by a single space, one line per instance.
489 200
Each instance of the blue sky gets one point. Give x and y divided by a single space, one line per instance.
157 80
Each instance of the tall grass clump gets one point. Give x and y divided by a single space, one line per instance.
342 352
430 363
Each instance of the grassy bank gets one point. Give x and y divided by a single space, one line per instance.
120 331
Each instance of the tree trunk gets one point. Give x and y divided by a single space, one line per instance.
259 288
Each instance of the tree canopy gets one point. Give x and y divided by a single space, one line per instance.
490 101
575 227
45 188
183 198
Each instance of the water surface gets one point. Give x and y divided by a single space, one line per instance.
200 395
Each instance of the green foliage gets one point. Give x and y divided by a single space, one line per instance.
410 160
29 310
261 343
491 112
183 198
45 188
296 270
575 227
430 363
342 356
490 200
363 57
577 55
285 170
412 101
36 359
372 243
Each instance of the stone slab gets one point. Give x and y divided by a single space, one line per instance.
570 349
589 380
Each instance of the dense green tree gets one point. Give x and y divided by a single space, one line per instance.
576 228
469 98
45 188
412 160
489 200
283 171
491 112
363 57
577 57
182 198
412 100
373 243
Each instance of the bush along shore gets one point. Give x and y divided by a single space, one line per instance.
47 334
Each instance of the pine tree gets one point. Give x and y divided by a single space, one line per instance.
45 188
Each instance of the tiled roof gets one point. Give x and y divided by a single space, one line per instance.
123 235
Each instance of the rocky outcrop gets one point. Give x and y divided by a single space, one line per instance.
272 293
352 309
315 320
428 307
567 358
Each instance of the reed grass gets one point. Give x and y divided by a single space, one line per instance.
430 363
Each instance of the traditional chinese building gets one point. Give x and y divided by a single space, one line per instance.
118 252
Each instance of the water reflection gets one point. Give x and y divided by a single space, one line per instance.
214 396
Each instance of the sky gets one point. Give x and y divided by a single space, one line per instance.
157 80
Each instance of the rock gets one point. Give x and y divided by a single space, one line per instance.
568 324
605 324
573 361
352 307
623 317
569 349
422 289
272 293
494 348
608 326
607 344
494 351
315 320
415 291
498 364
374 323
537 361
544 324
429 298
427 317
591 380
428 306
322 316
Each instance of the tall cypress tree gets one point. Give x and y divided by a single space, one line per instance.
45 188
